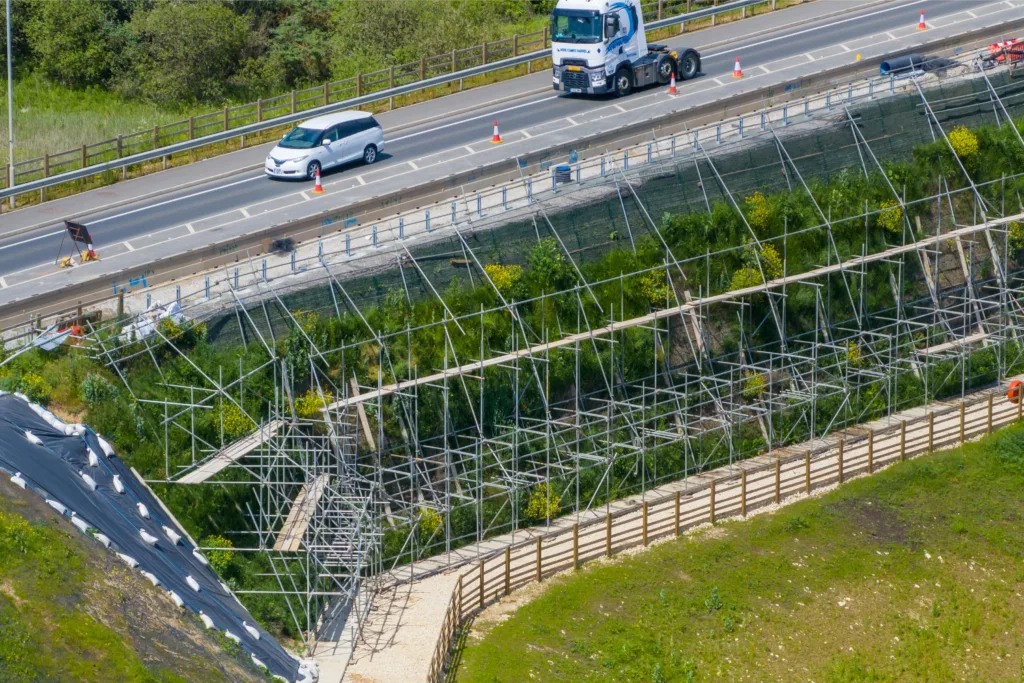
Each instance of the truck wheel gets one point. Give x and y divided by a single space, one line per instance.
666 67
689 66
623 82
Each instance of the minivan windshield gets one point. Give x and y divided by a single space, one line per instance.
301 138
575 26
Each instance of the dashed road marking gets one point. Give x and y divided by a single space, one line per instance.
973 15
526 134
306 196
3 283
128 244
810 57
191 230
469 149
413 166
569 119
718 81
764 69
846 49
360 179
891 36
244 212
619 107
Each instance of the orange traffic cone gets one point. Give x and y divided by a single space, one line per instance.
90 255
921 25
737 72
672 85
496 138
318 188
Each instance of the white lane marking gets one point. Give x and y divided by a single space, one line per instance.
360 179
176 199
810 57
765 69
789 36
620 108
526 134
973 15
32 239
569 118
468 149
891 36
190 228
413 165
306 196
475 118
845 49
244 212
128 244
3 283
717 81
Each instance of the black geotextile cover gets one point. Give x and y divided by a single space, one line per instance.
53 471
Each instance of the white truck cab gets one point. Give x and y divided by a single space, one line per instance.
599 46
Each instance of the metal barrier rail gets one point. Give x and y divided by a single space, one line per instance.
111 154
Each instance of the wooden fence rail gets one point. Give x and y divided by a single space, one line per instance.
320 95
735 491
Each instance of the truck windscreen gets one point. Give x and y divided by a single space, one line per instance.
575 26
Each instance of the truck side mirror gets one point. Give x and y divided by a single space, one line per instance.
611 26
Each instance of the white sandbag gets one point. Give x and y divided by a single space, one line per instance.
173 535
143 511
258 663
89 481
128 560
252 632
107 449
192 583
231 636
82 525
102 538
225 587
118 486
33 438
152 578
199 556
94 460
59 507
177 599
147 538
207 621
17 480
22 396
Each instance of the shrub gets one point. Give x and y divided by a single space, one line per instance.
754 384
750 275
310 405
543 504
853 355
35 387
1016 235
236 422
654 288
220 560
890 217
97 389
963 141
505 278
430 523
759 211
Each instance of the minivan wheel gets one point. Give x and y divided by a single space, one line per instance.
370 154
313 169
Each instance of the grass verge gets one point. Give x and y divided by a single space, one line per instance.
915 574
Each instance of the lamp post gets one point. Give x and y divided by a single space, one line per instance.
10 105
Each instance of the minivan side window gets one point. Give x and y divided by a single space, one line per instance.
373 123
346 129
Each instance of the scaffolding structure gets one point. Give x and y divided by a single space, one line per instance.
401 471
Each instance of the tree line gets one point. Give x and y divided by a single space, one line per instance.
185 52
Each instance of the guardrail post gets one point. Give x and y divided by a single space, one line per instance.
426 220
391 76
482 596
227 119
576 546
348 244
515 44
608 534
676 514
988 427
192 126
840 456
778 480
46 164
711 502
454 60
643 524
85 156
508 570
773 5
259 110
207 287
743 493
963 421
714 17
546 43
807 472
540 573
931 431
903 440
871 452
120 154
327 93
660 3
483 52
423 68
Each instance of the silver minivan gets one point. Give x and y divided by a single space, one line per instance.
325 142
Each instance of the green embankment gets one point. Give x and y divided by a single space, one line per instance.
915 574
69 611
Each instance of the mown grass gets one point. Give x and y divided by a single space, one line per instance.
914 574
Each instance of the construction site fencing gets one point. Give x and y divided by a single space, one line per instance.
371 88
729 493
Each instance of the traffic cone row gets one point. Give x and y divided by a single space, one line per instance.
496 138
737 72
318 188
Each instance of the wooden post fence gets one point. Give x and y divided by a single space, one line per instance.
931 431
508 569
539 574
903 440
711 502
807 472
643 524
840 456
677 514
871 452
608 534
963 420
778 480
743 493
988 426
576 546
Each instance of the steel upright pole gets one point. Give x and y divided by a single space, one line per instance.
10 104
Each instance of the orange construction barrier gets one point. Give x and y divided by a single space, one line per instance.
1014 392
1013 48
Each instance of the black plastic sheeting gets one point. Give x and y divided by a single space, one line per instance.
53 470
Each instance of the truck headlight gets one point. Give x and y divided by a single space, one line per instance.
554 75
597 77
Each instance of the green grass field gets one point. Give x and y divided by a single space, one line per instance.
915 574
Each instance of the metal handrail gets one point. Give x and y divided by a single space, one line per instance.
260 126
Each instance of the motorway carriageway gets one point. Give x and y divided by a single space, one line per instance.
26 256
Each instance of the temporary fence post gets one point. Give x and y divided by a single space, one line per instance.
423 68
264 270
828 101
453 213
849 93
743 493
807 106
482 596
871 452
608 534
207 287
903 440
540 574
840 456
988 428
739 127
236 278
554 182
676 511
643 525
625 160
149 300
673 146
479 205
401 228
602 166
426 220
504 198
177 294
892 83
529 191
762 119
508 569
120 303
711 502
293 101
579 175
576 546
293 261
259 110
85 157
649 152
778 480
785 115
871 89
515 45
375 237
931 431
807 472
696 139
348 244
963 420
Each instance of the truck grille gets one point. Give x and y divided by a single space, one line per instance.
575 79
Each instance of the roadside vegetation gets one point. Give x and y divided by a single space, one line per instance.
70 611
78 387
98 68
914 574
